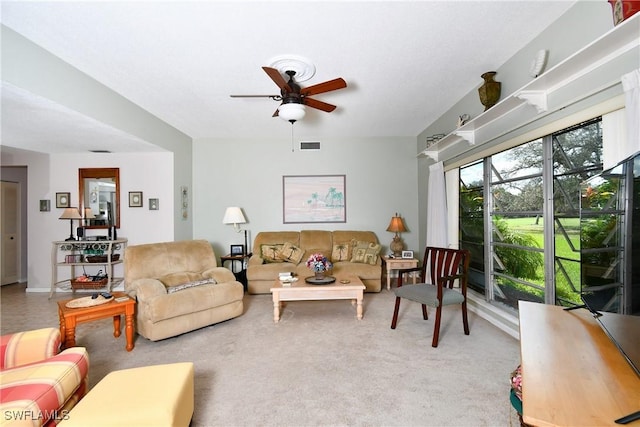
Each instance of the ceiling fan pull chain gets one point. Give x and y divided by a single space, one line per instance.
292 137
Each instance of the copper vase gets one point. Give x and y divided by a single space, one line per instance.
490 91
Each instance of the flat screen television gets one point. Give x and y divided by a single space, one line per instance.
610 257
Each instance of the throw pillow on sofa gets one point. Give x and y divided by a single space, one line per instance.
290 253
342 251
175 279
183 286
366 252
269 253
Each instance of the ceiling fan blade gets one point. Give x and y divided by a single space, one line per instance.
327 86
314 103
277 78
253 96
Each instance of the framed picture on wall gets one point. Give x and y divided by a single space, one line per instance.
45 205
314 198
63 200
135 199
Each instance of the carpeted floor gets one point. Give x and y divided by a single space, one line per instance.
318 366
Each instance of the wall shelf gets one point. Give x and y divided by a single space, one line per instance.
596 67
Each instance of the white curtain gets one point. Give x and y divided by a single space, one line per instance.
437 207
631 85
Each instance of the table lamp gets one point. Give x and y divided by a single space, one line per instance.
233 215
396 226
88 216
71 214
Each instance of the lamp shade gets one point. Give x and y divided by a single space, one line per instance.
396 225
233 215
291 112
88 213
71 213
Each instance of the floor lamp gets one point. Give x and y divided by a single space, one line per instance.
233 215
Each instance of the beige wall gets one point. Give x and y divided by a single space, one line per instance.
381 179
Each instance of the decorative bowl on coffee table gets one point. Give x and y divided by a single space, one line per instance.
313 280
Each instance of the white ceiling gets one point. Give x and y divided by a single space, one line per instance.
405 63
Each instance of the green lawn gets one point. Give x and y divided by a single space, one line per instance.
563 249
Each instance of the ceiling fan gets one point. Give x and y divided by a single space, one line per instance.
294 98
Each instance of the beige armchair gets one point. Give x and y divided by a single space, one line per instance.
179 288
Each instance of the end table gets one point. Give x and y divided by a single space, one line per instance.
70 317
241 275
390 264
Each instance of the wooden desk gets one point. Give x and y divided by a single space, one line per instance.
572 373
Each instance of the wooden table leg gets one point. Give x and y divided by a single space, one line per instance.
63 328
70 334
116 326
359 306
128 329
276 308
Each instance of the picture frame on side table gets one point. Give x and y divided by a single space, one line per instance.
237 250
63 200
135 199
314 199
407 254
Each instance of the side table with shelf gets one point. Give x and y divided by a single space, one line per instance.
241 275
81 253
389 264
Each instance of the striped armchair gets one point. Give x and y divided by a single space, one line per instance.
39 385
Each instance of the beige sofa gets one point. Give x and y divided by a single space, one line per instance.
179 288
338 246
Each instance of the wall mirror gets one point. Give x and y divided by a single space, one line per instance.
100 191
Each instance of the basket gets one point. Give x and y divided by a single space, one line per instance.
98 284
102 258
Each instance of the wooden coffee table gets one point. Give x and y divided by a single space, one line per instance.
302 291
70 317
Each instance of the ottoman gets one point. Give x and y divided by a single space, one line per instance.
159 395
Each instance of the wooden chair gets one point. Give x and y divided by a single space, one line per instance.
444 266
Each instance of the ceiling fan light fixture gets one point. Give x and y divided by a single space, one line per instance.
291 112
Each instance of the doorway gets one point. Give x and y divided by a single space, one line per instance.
10 231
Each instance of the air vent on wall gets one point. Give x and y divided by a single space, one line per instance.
306 145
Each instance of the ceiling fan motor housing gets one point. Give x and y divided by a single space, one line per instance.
293 95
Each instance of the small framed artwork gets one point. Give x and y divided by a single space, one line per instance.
154 204
407 254
237 249
135 199
184 191
63 200
45 205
